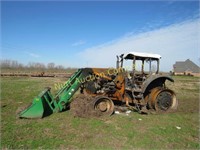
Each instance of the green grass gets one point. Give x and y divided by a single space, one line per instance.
63 131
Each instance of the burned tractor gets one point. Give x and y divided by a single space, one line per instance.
139 90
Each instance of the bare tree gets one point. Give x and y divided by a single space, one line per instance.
59 67
36 65
6 64
13 64
50 65
31 65
39 65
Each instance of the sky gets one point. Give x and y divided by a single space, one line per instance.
91 34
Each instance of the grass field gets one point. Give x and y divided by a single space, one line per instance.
179 130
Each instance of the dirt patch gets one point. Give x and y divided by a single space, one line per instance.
83 106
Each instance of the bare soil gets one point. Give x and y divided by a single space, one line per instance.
83 106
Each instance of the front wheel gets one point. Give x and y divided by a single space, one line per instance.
103 105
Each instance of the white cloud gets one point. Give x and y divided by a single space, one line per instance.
33 54
81 42
174 43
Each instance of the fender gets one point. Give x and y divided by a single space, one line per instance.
155 81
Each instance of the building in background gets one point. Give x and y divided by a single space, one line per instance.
186 68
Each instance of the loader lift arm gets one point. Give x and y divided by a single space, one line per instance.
45 104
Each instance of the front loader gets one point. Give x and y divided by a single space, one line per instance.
139 90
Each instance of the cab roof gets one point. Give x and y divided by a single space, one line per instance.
141 56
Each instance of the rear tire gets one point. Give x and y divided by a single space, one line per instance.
162 100
166 100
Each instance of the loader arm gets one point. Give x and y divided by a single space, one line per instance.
45 104
65 94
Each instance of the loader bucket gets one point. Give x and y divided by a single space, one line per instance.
43 105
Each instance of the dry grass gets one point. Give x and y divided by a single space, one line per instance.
63 131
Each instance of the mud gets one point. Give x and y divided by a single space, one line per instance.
83 106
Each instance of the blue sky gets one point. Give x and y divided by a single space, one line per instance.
80 34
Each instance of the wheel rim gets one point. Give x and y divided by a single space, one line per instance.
164 101
103 106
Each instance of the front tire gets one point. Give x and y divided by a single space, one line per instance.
103 105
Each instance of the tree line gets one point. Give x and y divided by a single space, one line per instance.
13 64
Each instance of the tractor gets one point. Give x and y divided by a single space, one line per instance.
140 90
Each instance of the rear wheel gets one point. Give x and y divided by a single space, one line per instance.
163 99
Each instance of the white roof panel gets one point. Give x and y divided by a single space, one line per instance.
143 55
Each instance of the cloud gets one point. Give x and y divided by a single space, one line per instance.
81 42
33 54
174 43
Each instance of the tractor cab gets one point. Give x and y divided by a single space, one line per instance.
142 65
143 60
